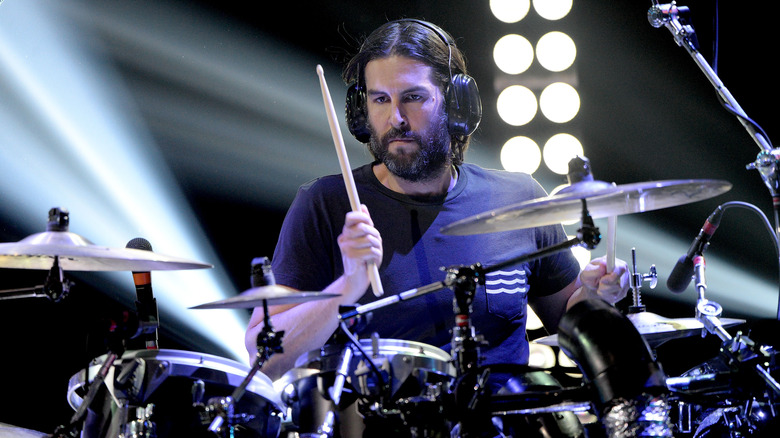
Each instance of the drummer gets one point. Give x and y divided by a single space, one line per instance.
417 184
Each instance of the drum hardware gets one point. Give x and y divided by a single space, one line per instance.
269 342
56 287
636 280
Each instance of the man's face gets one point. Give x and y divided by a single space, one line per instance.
405 113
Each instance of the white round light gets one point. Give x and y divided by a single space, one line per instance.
559 102
556 51
559 150
552 9
516 105
521 154
513 54
510 11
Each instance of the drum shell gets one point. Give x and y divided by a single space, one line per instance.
412 366
165 378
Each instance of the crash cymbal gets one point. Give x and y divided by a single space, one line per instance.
656 329
273 294
75 253
603 200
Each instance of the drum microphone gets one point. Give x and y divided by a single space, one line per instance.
681 274
146 304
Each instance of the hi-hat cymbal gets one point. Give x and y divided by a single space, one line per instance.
272 294
603 200
656 329
75 253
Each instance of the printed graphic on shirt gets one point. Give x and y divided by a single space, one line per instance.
506 282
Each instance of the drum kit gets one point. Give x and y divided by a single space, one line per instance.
366 387
383 387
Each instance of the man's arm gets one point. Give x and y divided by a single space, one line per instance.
308 326
592 283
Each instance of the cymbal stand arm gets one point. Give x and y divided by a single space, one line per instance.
269 342
56 287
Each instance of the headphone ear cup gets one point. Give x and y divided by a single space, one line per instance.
357 120
464 106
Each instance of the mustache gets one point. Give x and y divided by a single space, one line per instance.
395 133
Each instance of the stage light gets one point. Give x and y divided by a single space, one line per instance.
552 9
532 322
513 54
516 105
521 154
556 51
559 150
510 11
559 102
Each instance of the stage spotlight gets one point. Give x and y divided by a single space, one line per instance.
556 51
516 105
521 154
559 102
559 150
552 9
510 11
513 54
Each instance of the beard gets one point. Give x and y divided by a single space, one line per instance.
431 158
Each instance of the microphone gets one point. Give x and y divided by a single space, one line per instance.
146 304
681 274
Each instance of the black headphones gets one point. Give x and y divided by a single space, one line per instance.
461 98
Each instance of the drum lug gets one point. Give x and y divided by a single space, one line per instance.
142 426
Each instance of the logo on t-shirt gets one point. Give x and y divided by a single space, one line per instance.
506 282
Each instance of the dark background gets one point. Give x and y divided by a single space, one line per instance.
648 113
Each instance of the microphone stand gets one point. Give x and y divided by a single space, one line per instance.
738 349
767 162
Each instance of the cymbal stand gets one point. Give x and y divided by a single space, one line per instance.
739 349
269 342
636 284
674 18
56 287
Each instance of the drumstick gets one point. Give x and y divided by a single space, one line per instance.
346 171
611 234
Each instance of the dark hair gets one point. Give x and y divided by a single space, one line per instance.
419 41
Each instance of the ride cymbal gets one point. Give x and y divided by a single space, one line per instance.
602 199
272 294
75 253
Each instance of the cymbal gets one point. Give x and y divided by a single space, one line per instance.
273 294
656 329
603 200
75 253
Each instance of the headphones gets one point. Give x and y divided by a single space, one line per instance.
461 98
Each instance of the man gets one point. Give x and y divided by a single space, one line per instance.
418 184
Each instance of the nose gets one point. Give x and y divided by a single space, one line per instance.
398 117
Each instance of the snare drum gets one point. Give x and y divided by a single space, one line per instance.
416 375
166 391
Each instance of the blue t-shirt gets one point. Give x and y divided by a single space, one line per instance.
307 255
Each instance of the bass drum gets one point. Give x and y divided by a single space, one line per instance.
404 400
165 393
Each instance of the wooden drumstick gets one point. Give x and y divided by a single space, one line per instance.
346 171
611 235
